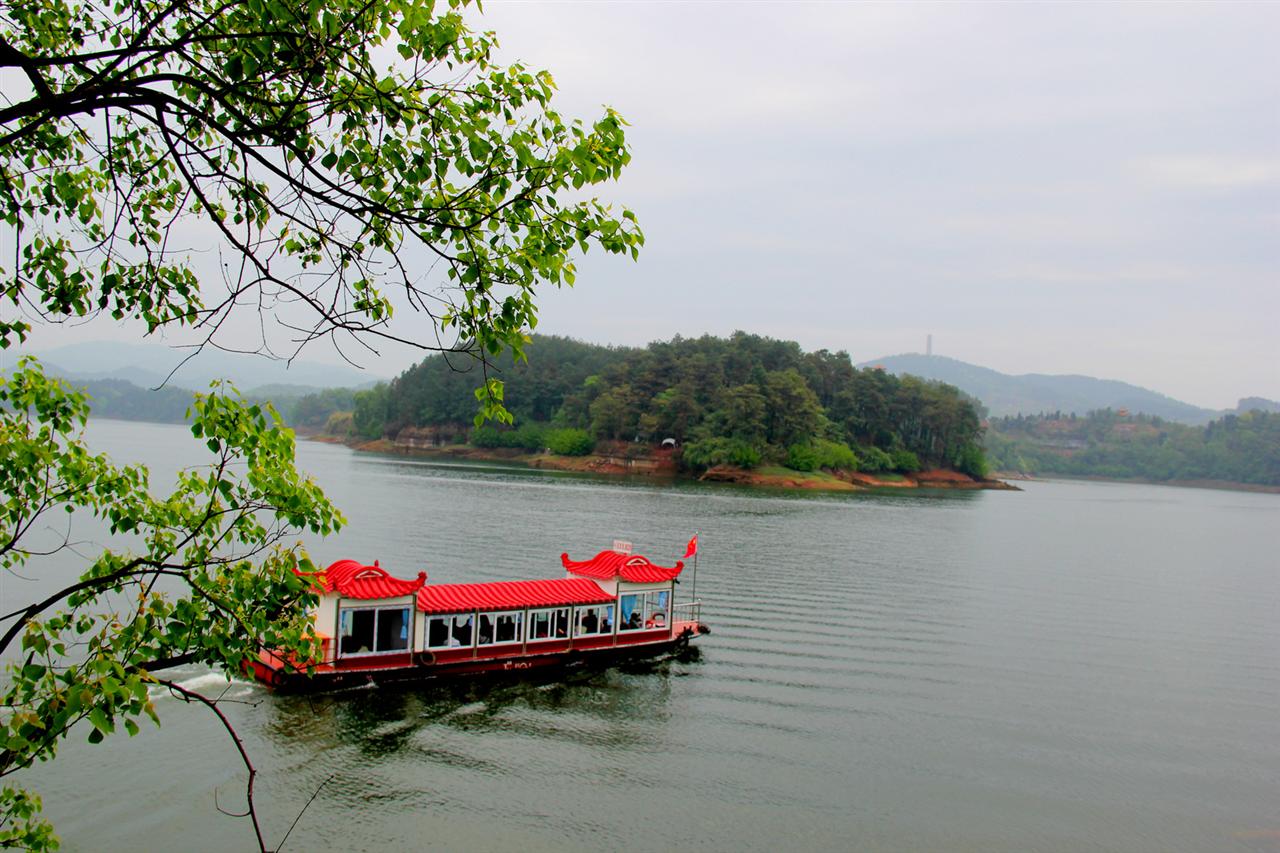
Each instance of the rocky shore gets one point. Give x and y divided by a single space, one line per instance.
843 481
620 458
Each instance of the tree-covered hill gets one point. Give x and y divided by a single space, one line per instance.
302 407
1241 448
1034 393
744 400
441 390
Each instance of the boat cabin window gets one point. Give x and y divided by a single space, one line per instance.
373 630
640 610
549 624
449 631
498 628
594 620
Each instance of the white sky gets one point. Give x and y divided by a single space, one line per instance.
1059 188
1074 188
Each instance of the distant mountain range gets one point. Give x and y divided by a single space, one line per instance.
148 365
1033 393
107 367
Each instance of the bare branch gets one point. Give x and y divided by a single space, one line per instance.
251 810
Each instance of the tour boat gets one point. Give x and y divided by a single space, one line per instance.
376 628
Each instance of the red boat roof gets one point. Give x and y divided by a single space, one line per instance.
509 595
353 580
632 568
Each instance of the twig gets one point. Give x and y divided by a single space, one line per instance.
251 811
314 794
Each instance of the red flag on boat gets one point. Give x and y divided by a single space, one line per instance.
693 547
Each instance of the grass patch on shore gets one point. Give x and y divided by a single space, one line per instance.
811 478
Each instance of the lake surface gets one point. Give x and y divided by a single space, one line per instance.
1080 666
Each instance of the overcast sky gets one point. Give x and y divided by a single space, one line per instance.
1077 188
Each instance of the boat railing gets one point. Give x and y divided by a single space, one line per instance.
690 611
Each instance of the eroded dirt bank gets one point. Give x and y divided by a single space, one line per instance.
620 458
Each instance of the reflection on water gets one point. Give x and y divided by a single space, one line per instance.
616 708
1080 666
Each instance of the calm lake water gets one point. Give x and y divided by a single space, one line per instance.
1080 666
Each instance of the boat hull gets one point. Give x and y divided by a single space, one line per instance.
463 663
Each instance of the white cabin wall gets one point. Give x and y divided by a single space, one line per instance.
325 616
624 588
419 630
610 586
401 601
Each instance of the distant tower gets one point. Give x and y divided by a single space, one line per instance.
928 345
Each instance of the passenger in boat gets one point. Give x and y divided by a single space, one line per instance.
634 621
590 623
606 627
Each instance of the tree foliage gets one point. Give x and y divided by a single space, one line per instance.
336 162
346 155
568 441
204 574
312 411
874 460
1242 448
441 389
706 452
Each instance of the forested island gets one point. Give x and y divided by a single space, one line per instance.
1235 449
746 408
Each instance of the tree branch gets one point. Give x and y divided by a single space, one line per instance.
192 696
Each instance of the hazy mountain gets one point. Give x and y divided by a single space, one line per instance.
147 365
1032 393
1249 404
127 401
279 394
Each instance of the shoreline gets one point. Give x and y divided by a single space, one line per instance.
1219 485
661 464
767 477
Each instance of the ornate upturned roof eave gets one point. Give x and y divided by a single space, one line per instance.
632 568
351 579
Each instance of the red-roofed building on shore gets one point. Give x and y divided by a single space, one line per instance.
374 627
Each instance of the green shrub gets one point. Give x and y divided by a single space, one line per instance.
802 457
369 419
340 424
835 455
527 436
822 453
972 461
905 462
486 436
720 451
874 460
743 455
569 441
